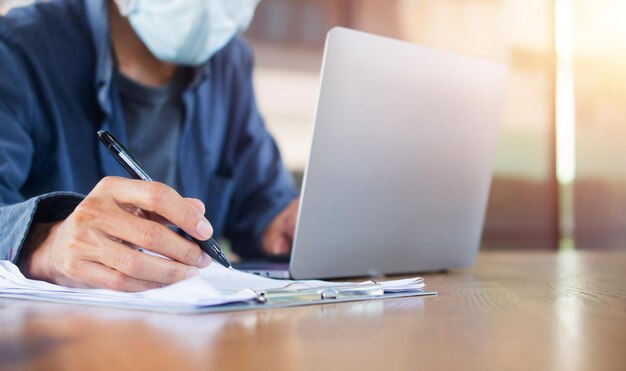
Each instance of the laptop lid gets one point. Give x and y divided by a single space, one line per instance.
401 159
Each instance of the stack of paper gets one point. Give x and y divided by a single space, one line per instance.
214 286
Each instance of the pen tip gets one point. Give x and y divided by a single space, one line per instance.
231 268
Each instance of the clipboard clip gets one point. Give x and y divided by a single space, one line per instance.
286 294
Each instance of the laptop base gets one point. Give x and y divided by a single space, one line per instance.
278 270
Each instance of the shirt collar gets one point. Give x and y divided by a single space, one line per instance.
97 14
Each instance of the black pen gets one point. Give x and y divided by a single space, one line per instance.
123 156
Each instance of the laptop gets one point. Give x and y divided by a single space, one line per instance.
401 161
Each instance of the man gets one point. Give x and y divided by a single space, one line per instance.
172 80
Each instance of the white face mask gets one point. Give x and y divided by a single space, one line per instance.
187 32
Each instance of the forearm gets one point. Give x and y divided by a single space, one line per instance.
16 219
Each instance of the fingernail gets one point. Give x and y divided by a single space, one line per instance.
204 260
191 272
204 229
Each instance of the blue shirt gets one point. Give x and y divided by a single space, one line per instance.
57 91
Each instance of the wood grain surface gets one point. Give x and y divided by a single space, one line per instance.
511 311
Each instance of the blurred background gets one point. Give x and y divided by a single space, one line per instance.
560 172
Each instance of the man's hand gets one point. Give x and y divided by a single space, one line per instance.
90 247
278 237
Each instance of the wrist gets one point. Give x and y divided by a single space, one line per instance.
33 261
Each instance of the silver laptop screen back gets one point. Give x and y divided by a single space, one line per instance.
401 159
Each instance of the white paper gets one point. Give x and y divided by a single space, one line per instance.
187 295
229 281
215 285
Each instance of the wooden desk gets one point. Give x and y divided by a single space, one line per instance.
511 311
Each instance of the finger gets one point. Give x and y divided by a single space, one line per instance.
274 243
154 237
143 266
197 204
290 227
161 199
281 246
145 214
292 217
97 275
159 219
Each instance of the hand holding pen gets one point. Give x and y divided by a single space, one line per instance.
134 168
88 248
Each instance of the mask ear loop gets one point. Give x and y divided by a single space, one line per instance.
125 6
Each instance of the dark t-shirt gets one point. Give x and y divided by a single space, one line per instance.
153 118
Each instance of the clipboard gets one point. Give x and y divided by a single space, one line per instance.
222 295
294 296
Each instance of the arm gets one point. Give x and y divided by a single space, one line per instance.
82 241
265 188
17 214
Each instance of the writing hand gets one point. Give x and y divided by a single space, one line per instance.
90 247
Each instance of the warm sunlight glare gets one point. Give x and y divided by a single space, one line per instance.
565 105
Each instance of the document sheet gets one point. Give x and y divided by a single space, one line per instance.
214 286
